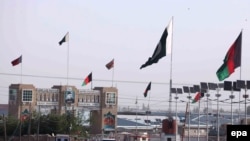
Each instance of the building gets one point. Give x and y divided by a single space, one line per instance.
101 102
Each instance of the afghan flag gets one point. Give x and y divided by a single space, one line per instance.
64 39
197 97
147 89
87 79
17 61
160 50
110 64
232 60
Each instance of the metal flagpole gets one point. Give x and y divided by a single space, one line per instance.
20 130
199 119
68 60
21 70
136 102
92 81
189 98
171 60
207 113
147 112
113 70
240 76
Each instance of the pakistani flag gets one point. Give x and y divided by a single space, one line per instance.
64 39
160 50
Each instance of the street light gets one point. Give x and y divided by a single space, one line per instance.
244 85
188 90
231 86
217 87
176 91
204 87
197 89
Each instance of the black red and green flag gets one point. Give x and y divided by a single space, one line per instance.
197 97
147 89
232 60
87 80
17 61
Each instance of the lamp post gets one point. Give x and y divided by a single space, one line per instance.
204 87
198 90
221 85
217 87
218 127
176 91
188 90
231 86
244 85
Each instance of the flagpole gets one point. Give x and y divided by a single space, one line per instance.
113 70
147 112
136 102
245 95
21 72
240 74
68 60
91 81
199 119
170 83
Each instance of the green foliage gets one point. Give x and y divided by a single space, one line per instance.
48 124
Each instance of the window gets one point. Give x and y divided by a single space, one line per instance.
110 98
96 98
27 95
12 94
53 97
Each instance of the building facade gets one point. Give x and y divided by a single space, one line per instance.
101 102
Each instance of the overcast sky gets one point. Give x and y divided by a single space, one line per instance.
127 31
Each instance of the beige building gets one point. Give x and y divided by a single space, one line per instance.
101 102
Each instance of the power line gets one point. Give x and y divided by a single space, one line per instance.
101 80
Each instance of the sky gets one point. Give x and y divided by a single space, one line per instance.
127 31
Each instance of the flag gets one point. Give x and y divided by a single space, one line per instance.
197 97
64 39
87 79
232 60
110 64
147 89
160 50
17 61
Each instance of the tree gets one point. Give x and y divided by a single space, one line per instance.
11 126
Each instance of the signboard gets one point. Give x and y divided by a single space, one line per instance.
47 103
69 95
88 104
109 122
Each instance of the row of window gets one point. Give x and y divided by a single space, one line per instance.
110 97
89 98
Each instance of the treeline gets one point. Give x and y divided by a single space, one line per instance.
44 124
